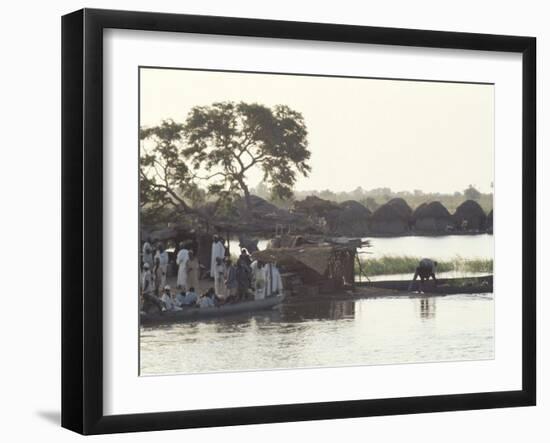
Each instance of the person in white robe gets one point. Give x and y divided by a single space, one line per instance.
218 250
219 278
258 279
193 270
147 286
181 261
161 268
190 298
168 301
273 281
180 298
207 300
149 301
147 254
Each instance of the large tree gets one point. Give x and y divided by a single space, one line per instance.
227 140
165 178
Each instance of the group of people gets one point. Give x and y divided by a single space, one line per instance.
155 261
244 279
156 294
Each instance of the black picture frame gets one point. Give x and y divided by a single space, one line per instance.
82 218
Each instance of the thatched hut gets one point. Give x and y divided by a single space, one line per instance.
418 211
316 210
314 206
355 208
391 218
258 205
262 211
314 267
432 217
490 221
469 216
350 219
401 206
260 218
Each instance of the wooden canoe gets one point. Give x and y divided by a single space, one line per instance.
467 285
196 313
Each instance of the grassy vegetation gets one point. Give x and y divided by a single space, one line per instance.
391 264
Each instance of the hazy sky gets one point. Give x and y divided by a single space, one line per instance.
406 135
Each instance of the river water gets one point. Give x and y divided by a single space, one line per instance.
327 333
338 332
442 247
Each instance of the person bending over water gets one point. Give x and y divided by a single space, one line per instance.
426 268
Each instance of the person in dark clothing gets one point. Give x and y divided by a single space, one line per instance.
426 268
244 258
244 277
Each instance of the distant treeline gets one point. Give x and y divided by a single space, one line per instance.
374 198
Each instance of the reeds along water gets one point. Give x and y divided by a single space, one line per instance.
391 264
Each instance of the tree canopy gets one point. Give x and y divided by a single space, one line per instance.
210 154
165 178
227 140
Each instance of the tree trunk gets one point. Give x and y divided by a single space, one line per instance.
247 202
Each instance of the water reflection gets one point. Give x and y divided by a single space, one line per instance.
312 333
324 310
427 307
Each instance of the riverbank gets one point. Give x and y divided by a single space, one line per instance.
471 285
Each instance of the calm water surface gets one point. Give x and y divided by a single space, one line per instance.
305 333
442 247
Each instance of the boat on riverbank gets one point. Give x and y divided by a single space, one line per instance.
447 286
196 313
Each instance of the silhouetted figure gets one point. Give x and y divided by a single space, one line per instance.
426 268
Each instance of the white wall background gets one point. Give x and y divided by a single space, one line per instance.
30 190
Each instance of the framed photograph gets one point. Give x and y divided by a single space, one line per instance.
269 221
